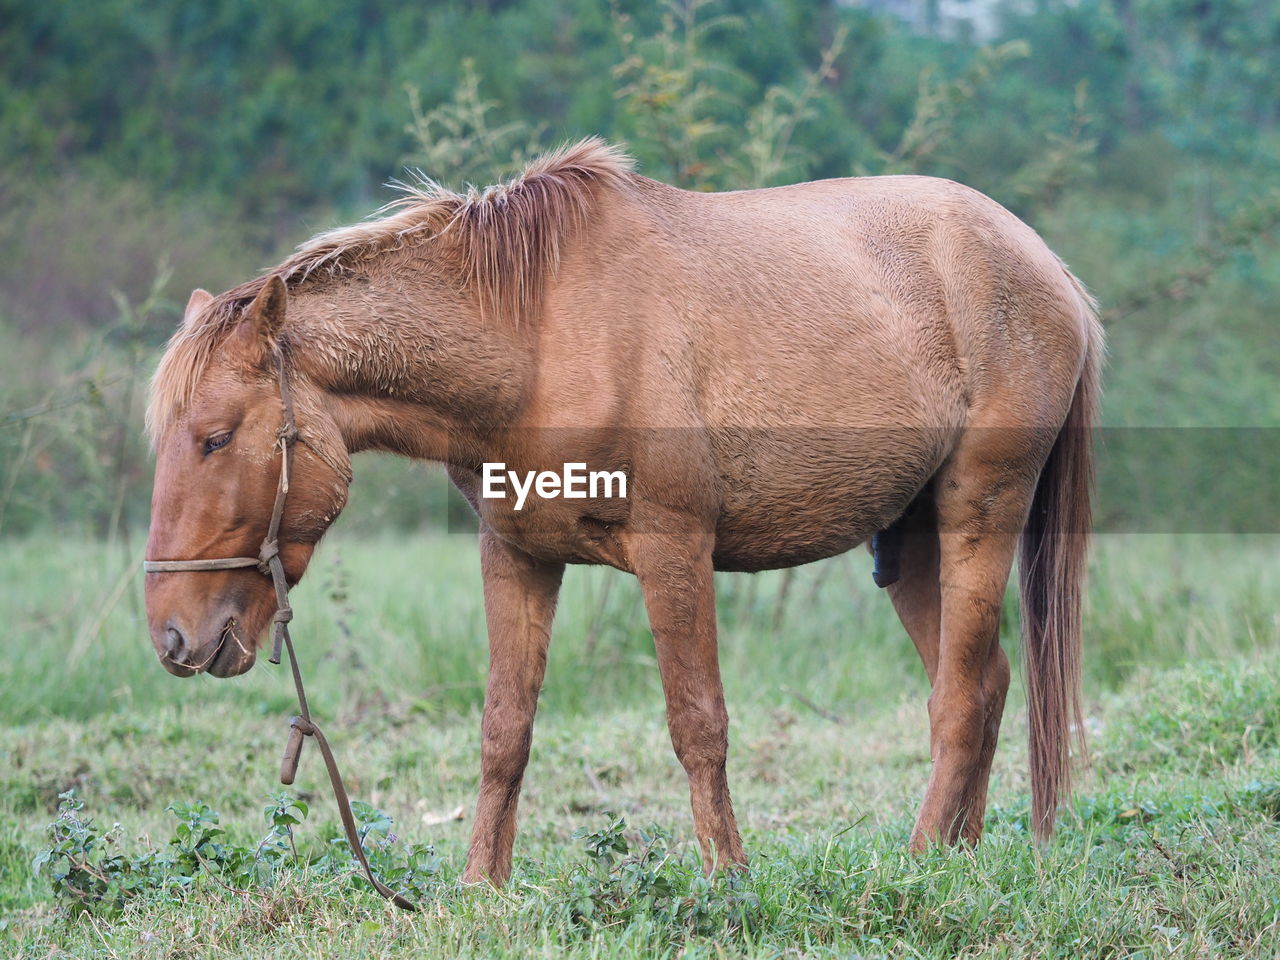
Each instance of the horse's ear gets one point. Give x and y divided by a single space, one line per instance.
266 313
195 306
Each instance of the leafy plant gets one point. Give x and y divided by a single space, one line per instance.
84 866
676 94
683 102
89 870
1066 160
626 877
460 136
769 155
939 105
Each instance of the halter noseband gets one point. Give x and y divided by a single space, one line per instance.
268 562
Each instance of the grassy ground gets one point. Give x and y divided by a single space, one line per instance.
1168 849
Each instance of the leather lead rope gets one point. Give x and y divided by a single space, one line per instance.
269 563
303 726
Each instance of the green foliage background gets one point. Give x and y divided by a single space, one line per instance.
149 147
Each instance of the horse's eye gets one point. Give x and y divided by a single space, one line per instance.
217 442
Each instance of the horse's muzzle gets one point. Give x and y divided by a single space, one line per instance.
222 649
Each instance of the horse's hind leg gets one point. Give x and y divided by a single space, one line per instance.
995 686
981 497
915 594
519 604
917 597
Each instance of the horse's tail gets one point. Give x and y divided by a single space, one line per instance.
1052 559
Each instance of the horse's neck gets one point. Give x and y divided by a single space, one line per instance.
413 371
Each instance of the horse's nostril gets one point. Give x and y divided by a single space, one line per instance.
176 644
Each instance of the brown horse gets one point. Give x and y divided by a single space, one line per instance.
780 374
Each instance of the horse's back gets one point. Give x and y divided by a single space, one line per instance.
829 340
902 300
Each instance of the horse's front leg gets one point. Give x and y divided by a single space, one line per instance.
675 575
519 605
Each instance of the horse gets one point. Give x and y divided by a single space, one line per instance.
781 374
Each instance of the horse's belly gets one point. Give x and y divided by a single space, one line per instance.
753 548
783 498
787 506
783 534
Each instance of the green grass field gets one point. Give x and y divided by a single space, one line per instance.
1168 849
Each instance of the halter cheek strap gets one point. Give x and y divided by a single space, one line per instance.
268 562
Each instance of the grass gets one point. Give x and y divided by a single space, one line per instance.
1167 849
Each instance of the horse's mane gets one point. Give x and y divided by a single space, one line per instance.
506 239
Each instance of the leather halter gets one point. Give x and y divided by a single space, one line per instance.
268 563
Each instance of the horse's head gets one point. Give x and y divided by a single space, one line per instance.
216 416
